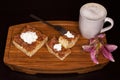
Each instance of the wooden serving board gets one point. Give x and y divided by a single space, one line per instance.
78 61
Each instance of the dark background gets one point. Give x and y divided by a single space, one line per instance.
17 11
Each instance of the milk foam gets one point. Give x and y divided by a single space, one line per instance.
93 11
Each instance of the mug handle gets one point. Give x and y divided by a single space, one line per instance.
107 19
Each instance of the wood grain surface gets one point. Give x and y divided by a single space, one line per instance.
78 61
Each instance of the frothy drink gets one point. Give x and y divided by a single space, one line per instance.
91 20
93 11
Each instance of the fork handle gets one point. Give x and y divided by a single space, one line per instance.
37 18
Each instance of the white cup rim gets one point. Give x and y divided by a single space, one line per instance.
89 4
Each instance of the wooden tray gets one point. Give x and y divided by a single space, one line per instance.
44 62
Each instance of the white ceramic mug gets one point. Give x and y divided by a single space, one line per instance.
91 20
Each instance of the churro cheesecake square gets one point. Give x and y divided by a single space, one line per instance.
69 39
55 48
29 40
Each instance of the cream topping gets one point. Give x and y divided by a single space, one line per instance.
69 35
57 47
29 37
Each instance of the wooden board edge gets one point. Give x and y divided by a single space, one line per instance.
79 71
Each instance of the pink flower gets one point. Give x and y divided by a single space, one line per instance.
97 45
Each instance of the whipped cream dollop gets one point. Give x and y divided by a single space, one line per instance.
69 35
57 47
29 37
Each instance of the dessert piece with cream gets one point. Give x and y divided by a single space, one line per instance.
69 39
30 40
56 48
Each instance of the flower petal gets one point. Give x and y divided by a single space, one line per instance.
92 40
101 36
107 54
87 48
111 47
93 56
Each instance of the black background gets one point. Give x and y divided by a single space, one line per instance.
17 12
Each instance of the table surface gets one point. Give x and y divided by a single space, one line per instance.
19 11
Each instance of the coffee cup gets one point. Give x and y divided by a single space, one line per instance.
92 18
